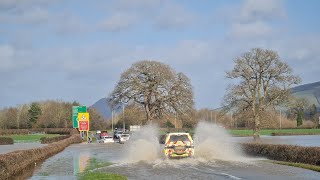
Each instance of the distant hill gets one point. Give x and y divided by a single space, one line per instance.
309 91
103 108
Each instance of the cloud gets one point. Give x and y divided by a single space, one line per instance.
261 10
250 30
118 22
253 18
174 16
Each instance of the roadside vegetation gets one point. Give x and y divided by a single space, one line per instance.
90 174
6 140
30 137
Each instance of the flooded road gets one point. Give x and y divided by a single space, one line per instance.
74 159
303 140
19 146
217 156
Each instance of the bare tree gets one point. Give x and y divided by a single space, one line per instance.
156 87
264 81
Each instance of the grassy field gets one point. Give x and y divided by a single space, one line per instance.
29 137
246 132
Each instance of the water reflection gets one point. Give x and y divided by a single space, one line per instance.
80 162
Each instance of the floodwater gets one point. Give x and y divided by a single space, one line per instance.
217 156
19 146
303 140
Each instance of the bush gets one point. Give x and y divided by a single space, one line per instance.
6 140
48 140
13 163
289 153
308 124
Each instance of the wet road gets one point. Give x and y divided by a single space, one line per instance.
67 164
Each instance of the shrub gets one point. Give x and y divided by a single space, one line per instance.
6 140
289 153
308 124
48 140
13 163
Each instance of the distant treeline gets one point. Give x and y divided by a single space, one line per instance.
45 114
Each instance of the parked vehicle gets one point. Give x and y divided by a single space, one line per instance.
106 139
178 145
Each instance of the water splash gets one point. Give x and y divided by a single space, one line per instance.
143 145
212 142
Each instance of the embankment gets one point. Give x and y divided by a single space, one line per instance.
13 163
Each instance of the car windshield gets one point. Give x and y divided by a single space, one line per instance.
125 135
174 138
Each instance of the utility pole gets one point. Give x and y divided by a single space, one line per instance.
124 124
112 120
175 120
280 119
211 116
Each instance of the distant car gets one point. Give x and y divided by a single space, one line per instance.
124 137
178 145
106 139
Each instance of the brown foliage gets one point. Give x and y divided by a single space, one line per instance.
13 163
6 140
48 140
290 153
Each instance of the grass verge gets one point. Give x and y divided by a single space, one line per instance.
101 175
29 137
299 165
88 174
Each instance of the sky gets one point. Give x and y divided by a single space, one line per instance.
76 50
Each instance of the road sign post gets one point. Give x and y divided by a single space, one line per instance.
75 111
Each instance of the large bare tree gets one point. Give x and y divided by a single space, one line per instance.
264 81
156 87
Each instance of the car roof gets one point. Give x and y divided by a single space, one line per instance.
178 133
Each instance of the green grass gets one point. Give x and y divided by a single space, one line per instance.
246 132
88 174
30 137
299 165
94 164
101 175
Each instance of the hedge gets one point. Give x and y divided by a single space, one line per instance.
6 140
13 163
289 153
48 140
45 130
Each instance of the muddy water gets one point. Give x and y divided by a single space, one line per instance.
216 157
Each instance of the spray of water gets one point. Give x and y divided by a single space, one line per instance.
144 145
213 142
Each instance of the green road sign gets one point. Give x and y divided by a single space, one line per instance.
75 111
